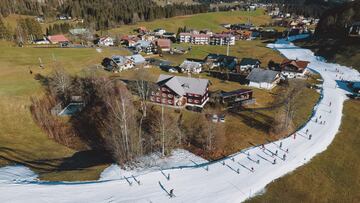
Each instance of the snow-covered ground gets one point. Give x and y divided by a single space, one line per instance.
232 180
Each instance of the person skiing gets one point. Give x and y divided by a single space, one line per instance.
320 117
316 120
274 161
276 152
307 130
294 136
287 150
171 193
258 161
284 157
252 169
310 136
280 144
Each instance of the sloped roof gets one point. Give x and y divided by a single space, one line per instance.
164 43
182 85
300 65
261 75
249 61
137 58
57 38
190 64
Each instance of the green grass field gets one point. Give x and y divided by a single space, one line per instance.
332 176
22 141
210 21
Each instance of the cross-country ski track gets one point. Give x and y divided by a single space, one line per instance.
235 179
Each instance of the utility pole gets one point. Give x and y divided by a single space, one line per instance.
228 47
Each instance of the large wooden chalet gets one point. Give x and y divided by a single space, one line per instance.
181 91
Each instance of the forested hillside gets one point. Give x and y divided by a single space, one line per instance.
335 22
104 14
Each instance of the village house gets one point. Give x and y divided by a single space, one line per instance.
264 79
106 41
247 64
293 68
354 29
121 63
222 39
222 61
42 41
181 91
137 59
163 44
191 67
194 38
129 40
236 97
57 39
146 47
159 32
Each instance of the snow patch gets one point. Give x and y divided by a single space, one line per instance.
17 174
153 162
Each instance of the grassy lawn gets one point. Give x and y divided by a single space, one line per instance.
22 141
210 21
332 176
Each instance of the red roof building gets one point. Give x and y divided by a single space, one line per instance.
56 39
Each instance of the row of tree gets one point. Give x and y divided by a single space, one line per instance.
56 28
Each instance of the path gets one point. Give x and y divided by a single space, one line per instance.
230 181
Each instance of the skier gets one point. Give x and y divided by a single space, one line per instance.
252 169
330 104
320 117
284 157
280 144
171 193
274 161
324 122
287 150
307 130
276 152
238 171
294 136
310 136
168 177
320 122
316 120
258 161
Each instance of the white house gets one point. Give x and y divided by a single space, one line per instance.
294 68
106 41
263 79
191 67
123 63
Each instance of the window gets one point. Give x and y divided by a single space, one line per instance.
170 96
190 100
158 99
197 101
164 89
170 102
163 101
163 94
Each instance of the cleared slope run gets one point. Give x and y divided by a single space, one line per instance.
231 180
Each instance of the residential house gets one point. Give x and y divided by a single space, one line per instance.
57 39
222 39
144 46
181 91
236 97
185 37
247 64
265 79
191 67
222 61
42 41
137 59
121 63
106 41
163 44
354 29
159 32
293 68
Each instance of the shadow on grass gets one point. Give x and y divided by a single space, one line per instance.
79 160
